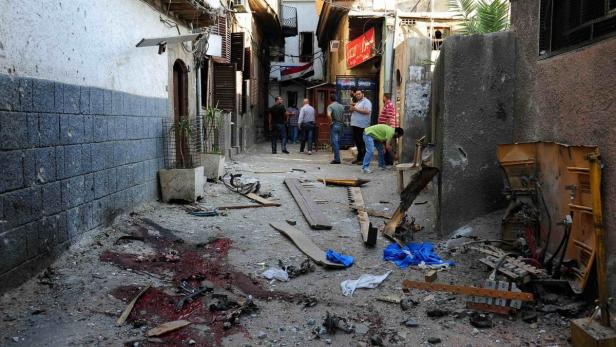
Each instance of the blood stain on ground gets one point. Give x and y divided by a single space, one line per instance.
190 263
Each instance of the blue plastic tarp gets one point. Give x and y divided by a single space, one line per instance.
338 258
413 254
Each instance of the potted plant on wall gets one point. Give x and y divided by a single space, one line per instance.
182 180
213 159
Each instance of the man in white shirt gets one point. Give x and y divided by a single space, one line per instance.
306 124
360 119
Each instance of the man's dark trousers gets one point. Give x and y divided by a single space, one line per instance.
279 130
358 138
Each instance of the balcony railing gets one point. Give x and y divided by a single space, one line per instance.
289 21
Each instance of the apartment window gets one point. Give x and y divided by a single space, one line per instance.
438 35
306 46
568 24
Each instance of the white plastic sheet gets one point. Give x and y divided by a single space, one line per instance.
364 281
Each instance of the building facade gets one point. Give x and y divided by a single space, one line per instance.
86 88
371 45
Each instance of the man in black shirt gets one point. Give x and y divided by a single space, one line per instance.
278 124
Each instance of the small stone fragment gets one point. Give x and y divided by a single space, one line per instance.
262 335
376 340
312 322
434 340
411 322
291 221
406 303
437 313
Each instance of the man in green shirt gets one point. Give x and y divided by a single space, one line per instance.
335 113
376 136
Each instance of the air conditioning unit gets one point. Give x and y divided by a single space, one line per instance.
334 45
239 6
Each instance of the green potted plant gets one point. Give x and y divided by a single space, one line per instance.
182 180
213 159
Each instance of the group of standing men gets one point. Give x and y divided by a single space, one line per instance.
304 125
366 137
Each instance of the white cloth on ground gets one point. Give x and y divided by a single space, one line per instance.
364 281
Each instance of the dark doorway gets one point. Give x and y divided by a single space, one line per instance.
180 112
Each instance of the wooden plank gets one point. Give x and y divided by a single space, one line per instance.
130 306
418 182
467 290
315 218
305 244
375 213
345 182
167 327
263 201
356 198
368 232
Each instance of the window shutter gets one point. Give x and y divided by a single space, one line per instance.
247 63
237 50
225 89
221 29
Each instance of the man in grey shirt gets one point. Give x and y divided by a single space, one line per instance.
306 124
335 113
360 119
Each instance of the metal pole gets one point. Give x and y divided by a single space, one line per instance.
595 192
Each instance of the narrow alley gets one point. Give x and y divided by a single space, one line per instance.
76 301
308 173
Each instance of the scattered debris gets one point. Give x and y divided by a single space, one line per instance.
346 182
122 319
339 258
191 294
274 273
407 303
291 221
437 313
313 214
305 244
368 232
305 267
434 340
308 301
411 323
480 320
418 182
364 281
333 322
431 276
468 290
392 299
375 213
413 254
167 327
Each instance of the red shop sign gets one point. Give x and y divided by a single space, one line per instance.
360 49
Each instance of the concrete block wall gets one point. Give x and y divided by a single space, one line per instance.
472 110
72 158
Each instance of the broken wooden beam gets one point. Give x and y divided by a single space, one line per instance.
130 306
344 182
313 214
167 327
368 232
467 290
418 182
375 213
305 245
262 201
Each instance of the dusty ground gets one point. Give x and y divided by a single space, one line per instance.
76 302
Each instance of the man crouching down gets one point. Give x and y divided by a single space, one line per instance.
376 136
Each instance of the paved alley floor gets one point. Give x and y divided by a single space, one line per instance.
77 300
